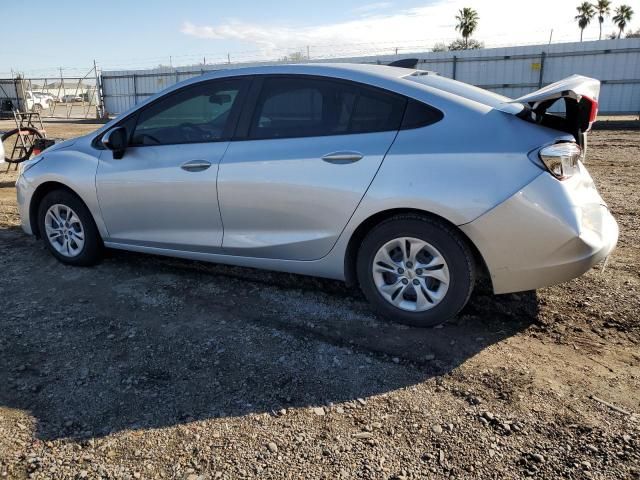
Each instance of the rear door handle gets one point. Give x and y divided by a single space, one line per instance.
195 165
342 157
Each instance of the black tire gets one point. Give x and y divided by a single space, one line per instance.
451 245
91 251
11 141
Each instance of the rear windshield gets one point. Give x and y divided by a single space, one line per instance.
480 95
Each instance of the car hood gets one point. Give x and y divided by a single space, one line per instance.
62 145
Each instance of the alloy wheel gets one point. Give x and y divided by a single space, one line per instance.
64 230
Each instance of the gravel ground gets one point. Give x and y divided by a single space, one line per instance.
149 367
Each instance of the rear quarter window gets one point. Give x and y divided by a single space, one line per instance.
418 114
377 111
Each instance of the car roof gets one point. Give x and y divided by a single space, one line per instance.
327 69
393 78
382 76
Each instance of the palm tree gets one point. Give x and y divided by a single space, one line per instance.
467 23
585 14
622 17
603 8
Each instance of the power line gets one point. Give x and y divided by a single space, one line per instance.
270 54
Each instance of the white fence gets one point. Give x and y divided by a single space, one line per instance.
511 71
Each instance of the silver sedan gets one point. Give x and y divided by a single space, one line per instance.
407 183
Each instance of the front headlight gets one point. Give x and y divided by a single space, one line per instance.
26 165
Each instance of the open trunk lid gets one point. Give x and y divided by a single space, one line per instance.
580 97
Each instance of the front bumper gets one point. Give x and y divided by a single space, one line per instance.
548 232
24 192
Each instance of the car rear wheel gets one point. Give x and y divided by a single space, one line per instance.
68 229
416 270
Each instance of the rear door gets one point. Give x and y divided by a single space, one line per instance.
305 155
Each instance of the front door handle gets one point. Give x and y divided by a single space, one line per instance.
342 157
195 165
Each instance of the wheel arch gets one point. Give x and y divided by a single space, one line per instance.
41 191
368 224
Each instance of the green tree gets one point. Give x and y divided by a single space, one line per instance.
635 34
462 45
622 18
467 19
603 8
440 47
585 14
294 57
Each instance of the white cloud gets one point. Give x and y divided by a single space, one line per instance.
414 29
371 7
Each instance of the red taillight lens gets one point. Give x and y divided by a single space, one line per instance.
593 112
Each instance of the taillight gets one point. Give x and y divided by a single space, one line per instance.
593 111
561 159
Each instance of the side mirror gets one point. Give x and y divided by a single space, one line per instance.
116 140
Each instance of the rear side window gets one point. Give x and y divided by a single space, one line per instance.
308 107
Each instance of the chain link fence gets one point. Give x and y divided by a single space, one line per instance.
60 97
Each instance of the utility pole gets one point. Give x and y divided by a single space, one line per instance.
97 93
170 61
308 56
228 58
396 50
550 36
61 91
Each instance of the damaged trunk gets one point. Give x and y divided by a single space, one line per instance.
580 97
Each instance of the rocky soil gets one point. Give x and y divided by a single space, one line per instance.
149 367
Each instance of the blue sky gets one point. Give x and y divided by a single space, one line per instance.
142 34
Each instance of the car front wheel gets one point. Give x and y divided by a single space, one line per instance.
68 229
416 270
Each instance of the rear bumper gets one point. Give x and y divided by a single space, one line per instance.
547 233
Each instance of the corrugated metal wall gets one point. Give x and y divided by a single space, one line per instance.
511 71
9 92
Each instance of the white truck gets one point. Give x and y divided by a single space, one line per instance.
36 102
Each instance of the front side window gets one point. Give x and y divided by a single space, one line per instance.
193 115
308 107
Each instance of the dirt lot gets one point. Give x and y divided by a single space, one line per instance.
148 367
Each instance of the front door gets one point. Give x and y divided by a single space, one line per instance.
312 147
162 193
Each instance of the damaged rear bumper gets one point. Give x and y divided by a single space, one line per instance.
548 232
